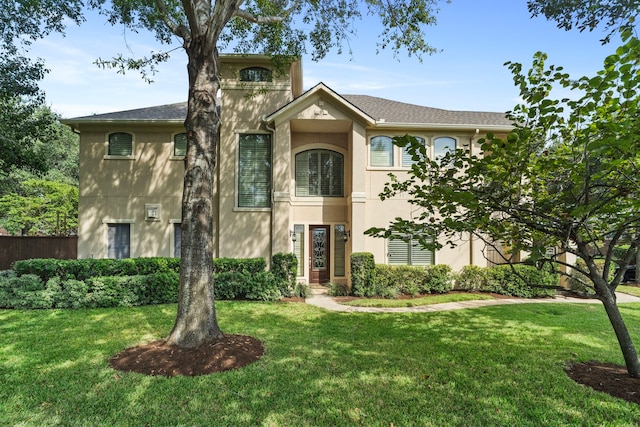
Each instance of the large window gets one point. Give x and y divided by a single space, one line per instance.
180 144
442 146
381 151
120 144
119 244
407 159
400 252
254 171
255 74
319 173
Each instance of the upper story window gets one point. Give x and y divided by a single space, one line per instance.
381 151
120 144
319 173
443 145
255 74
407 159
180 144
254 171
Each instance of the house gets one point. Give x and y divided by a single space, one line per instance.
298 171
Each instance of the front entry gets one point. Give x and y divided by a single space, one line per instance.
319 254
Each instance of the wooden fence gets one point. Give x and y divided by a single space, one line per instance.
13 248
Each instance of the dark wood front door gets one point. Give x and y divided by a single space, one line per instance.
319 253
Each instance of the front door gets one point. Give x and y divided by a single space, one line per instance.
319 254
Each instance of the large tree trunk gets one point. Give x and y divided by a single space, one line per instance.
196 321
608 298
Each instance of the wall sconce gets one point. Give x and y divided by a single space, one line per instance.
293 236
346 235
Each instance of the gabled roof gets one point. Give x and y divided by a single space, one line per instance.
321 89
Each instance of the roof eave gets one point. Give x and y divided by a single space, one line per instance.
449 126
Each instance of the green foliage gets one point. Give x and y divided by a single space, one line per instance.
338 289
246 265
520 280
42 208
236 285
412 280
472 278
285 268
301 290
363 270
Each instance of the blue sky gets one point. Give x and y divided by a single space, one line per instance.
476 39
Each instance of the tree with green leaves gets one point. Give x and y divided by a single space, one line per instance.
283 29
587 15
566 177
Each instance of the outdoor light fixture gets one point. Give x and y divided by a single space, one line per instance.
293 236
346 235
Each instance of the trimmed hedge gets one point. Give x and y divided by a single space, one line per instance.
285 269
412 280
363 273
520 280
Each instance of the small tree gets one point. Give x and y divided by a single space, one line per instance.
567 177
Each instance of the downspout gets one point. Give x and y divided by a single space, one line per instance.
471 138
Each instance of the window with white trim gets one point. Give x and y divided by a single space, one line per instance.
407 159
254 171
381 151
400 252
119 241
120 144
319 173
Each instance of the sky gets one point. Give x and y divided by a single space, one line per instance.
474 37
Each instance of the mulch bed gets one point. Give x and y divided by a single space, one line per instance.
606 377
159 358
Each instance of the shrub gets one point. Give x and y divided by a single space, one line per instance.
285 269
242 285
248 265
363 270
263 287
471 278
338 289
581 283
301 290
438 279
521 281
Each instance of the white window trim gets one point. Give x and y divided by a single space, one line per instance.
108 156
105 235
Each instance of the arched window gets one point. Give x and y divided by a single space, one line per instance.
442 146
120 144
407 159
255 74
319 173
381 151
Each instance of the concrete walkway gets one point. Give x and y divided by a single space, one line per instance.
319 298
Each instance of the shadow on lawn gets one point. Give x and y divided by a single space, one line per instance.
499 365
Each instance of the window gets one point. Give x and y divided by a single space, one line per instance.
407 160
400 252
442 146
180 144
298 247
119 241
120 144
254 171
177 239
381 151
255 74
339 253
319 173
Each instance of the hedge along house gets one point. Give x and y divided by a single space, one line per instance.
298 171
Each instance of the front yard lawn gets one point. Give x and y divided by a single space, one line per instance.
413 302
494 366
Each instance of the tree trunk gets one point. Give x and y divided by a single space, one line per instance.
196 321
608 298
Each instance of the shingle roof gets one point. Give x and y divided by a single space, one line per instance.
400 112
378 108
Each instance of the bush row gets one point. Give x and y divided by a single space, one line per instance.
369 279
92 283
525 281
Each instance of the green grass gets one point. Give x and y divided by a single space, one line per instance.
494 366
416 302
631 290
